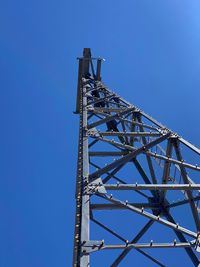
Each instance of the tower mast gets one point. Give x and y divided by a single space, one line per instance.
129 161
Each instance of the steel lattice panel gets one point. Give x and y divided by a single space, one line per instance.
135 180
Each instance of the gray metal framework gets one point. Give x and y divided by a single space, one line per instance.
130 165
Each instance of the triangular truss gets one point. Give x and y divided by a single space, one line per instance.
127 161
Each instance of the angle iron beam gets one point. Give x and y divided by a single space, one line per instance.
143 175
119 145
151 245
128 157
134 240
180 163
129 133
108 229
139 124
119 206
85 214
154 155
108 174
166 170
149 161
98 70
98 100
110 91
182 202
106 153
189 193
105 110
151 216
182 238
185 187
152 120
188 144
109 118
150 257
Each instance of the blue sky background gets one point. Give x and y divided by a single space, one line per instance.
152 52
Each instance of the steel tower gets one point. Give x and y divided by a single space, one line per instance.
137 184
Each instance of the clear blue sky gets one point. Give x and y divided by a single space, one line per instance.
152 51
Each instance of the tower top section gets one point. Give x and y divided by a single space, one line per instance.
88 67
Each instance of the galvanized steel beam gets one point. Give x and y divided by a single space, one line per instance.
153 151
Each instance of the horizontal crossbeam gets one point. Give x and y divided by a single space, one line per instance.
151 245
92 246
128 133
149 186
119 206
